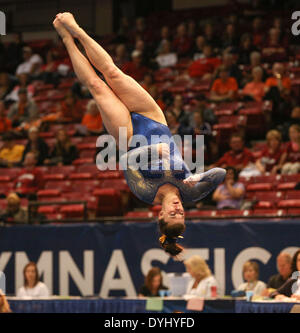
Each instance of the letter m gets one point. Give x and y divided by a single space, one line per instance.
2 23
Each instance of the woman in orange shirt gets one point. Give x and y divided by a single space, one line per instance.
92 119
256 88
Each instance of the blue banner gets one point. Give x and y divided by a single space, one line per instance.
112 259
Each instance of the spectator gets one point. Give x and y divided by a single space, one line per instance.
257 32
14 50
92 120
271 157
238 157
135 68
148 82
33 287
245 49
182 43
197 52
14 213
202 279
23 111
232 67
230 38
287 290
153 91
177 108
204 67
251 276
5 123
121 56
80 91
255 61
284 262
164 36
153 283
284 127
4 306
10 153
230 195
49 71
36 145
13 96
30 179
274 49
70 109
255 90
225 88
173 122
31 64
211 37
166 58
6 85
291 157
64 152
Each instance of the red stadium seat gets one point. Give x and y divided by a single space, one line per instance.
90 168
84 186
146 214
291 178
292 194
269 212
291 203
199 213
86 160
48 209
10 172
286 186
155 209
5 178
272 196
113 174
63 186
294 211
82 175
230 212
119 184
260 187
108 202
87 153
64 169
49 193
266 179
54 176
72 211
264 205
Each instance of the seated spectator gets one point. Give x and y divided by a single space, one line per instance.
14 51
92 120
173 122
271 157
120 58
291 287
30 179
204 67
24 110
177 108
232 67
182 43
70 109
165 35
153 283
31 64
291 157
148 82
81 91
49 71
245 49
10 153
274 49
230 195
255 61
202 278
251 276
153 91
255 90
36 145
279 80
284 261
14 213
257 31
6 85
63 152
230 38
4 306
197 52
166 58
238 157
34 217
32 287
225 88
13 96
5 123
135 68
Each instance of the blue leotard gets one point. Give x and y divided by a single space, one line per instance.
151 174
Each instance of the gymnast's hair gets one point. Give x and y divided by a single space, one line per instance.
170 235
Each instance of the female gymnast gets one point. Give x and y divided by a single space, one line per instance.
124 103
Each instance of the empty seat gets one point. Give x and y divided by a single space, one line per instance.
292 194
291 178
72 211
272 196
84 186
291 203
91 168
230 212
108 202
64 169
260 187
199 213
286 186
54 176
86 160
119 184
63 186
294 211
144 214
269 212
49 193
115 174
87 153
81 175
52 209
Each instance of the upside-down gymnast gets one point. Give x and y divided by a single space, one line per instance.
124 103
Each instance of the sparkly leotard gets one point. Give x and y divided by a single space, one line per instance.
151 174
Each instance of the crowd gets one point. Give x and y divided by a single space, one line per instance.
242 59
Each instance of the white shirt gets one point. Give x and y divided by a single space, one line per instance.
257 288
204 287
167 60
25 67
40 290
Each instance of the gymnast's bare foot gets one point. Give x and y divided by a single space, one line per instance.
70 24
62 31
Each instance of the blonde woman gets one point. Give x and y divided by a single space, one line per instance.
291 156
4 306
271 158
251 275
203 283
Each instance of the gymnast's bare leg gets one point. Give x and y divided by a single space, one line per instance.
134 97
114 113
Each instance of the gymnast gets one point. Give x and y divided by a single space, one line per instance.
123 103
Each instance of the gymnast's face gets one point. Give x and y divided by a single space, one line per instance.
172 211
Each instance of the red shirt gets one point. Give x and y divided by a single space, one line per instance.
29 181
131 69
182 45
268 159
233 159
293 153
203 66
